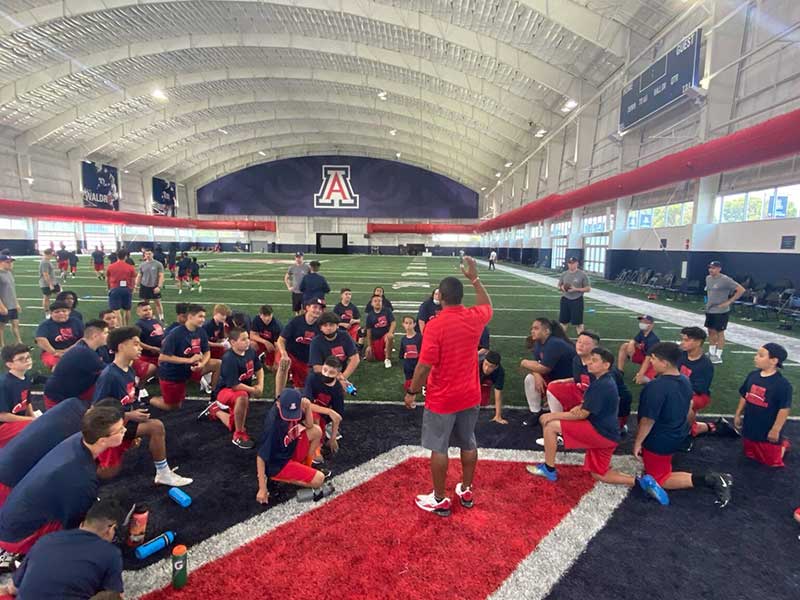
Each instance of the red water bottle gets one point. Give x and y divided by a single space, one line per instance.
138 525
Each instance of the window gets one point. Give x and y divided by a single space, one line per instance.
164 234
537 231
559 254
140 230
562 228
595 224
455 237
14 224
771 203
54 233
594 253
671 215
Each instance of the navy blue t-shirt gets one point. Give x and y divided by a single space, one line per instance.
60 335
105 354
69 565
75 373
428 310
496 378
279 441
410 348
379 323
215 331
14 394
116 383
98 257
582 377
347 313
342 347
76 315
666 400
314 285
298 335
194 269
236 369
645 342
764 397
170 327
700 372
244 322
386 304
182 343
557 354
601 399
329 396
60 488
152 334
485 339
270 332
37 439
184 265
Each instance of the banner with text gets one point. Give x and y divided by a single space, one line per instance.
99 186
338 186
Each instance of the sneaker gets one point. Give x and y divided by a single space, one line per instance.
199 289
559 441
722 484
180 292
387 363
205 383
651 488
326 473
171 478
533 419
717 360
315 494
465 496
329 432
725 428
210 410
429 503
541 471
687 444
317 462
243 441
8 561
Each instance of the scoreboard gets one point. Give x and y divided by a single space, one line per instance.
663 83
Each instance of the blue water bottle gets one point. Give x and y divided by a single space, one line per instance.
154 545
351 389
179 496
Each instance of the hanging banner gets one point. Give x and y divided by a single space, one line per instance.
164 197
99 186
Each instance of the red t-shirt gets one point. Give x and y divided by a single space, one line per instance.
450 346
120 271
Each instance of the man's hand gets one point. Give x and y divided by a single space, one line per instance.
737 421
262 497
368 352
638 378
3 310
258 390
409 401
139 415
333 444
774 435
637 449
469 268
539 383
545 419
157 289
196 358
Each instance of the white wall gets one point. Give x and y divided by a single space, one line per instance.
750 236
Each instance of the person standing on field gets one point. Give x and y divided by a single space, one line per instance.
573 284
722 292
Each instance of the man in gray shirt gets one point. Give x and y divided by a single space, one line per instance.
9 307
573 284
47 279
292 280
721 291
149 280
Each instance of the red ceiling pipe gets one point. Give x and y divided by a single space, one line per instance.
770 140
53 212
419 228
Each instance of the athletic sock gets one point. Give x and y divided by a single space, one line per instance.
719 352
704 480
712 350
161 465
549 468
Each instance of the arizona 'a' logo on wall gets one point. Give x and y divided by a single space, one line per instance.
336 190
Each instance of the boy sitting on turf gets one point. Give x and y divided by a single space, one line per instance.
348 313
289 445
264 334
593 425
664 405
410 346
638 350
151 337
241 377
294 341
58 333
380 332
118 381
325 392
492 375
764 405
216 331
16 411
333 342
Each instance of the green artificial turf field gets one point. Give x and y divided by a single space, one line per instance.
245 281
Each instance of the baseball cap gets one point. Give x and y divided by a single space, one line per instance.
572 259
320 301
298 254
776 351
647 318
329 318
6 258
289 405
715 263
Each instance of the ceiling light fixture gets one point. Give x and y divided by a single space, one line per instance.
569 105
159 95
262 153
397 154
498 174
541 133
125 171
222 131
508 164
393 132
483 189
382 95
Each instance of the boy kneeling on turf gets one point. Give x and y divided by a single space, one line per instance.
325 392
289 444
241 378
593 425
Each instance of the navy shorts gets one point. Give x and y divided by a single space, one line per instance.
717 321
120 298
12 315
571 311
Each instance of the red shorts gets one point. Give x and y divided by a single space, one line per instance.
700 401
150 360
657 465
353 331
567 393
9 430
407 386
196 375
298 370
638 358
378 349
183 278
111 457
63 265
486 391
217 351
296 469
50 360
98 267
25 544
599 449
172 392
73 268
140 368
766 453
271 357
195 280
228 397
4 492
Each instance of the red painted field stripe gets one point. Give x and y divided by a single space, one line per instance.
372 542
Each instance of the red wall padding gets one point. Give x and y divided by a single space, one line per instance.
769 140
53 212
419 228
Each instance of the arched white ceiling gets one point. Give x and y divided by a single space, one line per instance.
465 82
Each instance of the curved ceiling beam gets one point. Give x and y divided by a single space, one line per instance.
572 16
327 142
418 33
195 140
521 111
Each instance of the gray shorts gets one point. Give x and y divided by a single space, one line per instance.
437 430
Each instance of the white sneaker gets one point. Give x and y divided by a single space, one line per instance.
171 478
205 383
199 288
180 291
717 360
559 441
387 363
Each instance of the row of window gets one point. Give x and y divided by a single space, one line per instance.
671 215
772 203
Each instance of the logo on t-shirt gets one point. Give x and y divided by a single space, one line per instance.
194 347
757 395
306 339
583 384
686 371
338 352
65 334
130 394
323 399
348 315
249 372
411 351
22 405
381 321
158 330
294 433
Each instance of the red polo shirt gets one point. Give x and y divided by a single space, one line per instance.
120 271
450 346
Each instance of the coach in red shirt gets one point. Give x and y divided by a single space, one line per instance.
448 367
120 277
